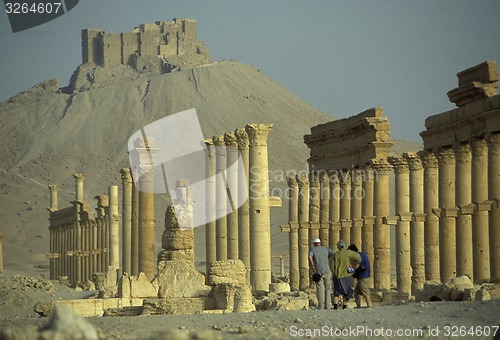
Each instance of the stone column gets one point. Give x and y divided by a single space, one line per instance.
480 228
334 236
368 217
143 155
134 231
402 188
126 219
244 210
293 236
78 240
221 197
324 212
417 254
447 229
303 184
232 202
210 230
381 231
53 197
314 205
345 205
463 202
114 231
356 207
431 225
260 233
494 196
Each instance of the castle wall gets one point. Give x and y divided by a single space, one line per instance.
91 46
130 45
112 50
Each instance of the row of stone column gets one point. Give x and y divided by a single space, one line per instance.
464 219
79 243
238 204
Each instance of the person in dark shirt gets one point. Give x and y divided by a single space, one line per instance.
362 274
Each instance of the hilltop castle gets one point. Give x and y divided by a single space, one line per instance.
162 46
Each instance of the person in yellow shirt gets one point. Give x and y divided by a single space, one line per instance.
343 264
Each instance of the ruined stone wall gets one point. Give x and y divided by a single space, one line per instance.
149 41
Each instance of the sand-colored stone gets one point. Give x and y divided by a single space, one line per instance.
480 227
303 232
176 306
126 235
260 233
177 242
141 287
134 233
463 202
1 252
114 236
221 197
232 202
345 205
293 236
228 271
210 228
356 206
494 196
178 279
324 211
334 211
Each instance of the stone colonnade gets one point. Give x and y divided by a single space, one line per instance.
82 243
446 210
238 202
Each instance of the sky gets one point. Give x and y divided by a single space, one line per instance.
340 56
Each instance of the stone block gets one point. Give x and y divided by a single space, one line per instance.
178 279
140 287
486 72
454 289
228 271
224 296
483 295
124 286
279 287
243 300
174 306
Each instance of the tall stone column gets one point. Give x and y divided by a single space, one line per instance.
402 188
381 231
232 202
260 233
480 228
134 231
431 225
417 254
368 217
494 196
78 240
244 210
144 155
303 184
463 201
210 229
314 205
293 236
126 220
334 236
114 231
221 197
356 207
324 212
447 229
53 197
345 206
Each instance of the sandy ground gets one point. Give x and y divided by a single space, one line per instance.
439 320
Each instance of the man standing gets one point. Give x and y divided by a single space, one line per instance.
343 264
318 260
362 273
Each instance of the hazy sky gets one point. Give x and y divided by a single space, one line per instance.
339 56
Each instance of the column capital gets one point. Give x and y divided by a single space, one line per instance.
345 177
220 145
303 181
242 138
53 187
446 156
414 161
400 164
257 133
230 140
146 172
292 182
479 145
463 153
381 166
314 180
493 140
429 160
357 176
208 143
79 176
126 177
334 178
324 179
